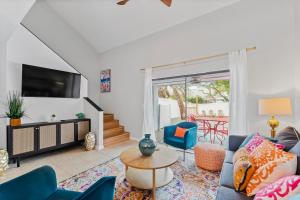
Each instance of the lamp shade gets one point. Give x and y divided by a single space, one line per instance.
277 106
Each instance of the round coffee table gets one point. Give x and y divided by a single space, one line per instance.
149 172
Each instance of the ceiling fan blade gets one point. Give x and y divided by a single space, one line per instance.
123 2
167 2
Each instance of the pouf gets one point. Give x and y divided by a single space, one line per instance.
209 156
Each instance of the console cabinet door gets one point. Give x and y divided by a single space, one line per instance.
67 133
47 136
83 129
23 141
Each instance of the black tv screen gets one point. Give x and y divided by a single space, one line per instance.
44 82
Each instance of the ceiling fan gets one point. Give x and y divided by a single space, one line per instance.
166 2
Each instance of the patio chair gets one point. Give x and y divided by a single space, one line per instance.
189 140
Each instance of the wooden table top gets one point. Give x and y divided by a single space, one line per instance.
161 158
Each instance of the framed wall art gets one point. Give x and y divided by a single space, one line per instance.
105 81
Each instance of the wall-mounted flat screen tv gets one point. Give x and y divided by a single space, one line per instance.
44 82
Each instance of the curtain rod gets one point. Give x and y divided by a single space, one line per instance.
196 59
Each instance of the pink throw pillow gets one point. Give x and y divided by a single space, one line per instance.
256 140
279 146
282 189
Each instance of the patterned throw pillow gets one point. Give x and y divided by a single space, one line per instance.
250 136
272 171
266 152
242 172
254 142
240 153
282 189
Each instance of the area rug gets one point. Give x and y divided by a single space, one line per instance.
189 182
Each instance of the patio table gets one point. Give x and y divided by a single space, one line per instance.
214 126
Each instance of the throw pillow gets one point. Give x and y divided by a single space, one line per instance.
288 137
180 132
295 197
282 189
271 172
242 172
240 153
266 152
254 142
249 137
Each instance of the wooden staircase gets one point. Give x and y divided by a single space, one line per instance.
114 133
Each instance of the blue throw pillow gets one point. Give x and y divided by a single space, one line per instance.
249 137
295 197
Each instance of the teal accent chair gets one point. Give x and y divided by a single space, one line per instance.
189 140
40 184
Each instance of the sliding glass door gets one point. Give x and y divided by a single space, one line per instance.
202 99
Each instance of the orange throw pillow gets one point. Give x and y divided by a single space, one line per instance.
180 132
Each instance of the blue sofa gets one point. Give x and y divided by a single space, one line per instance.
189 140
40 184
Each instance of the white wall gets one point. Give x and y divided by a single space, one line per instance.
25 48
269 25
2 93
57 34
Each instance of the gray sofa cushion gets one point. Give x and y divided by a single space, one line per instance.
288 137
224 193
235 141
229 157
227 176
296 150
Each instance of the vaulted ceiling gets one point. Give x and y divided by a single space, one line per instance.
105 25
11 14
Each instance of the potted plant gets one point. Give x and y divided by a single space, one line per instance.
15 108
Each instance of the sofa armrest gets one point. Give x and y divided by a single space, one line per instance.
169 131
103 189
190 138
235 141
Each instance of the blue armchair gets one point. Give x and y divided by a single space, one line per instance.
189 140
40 184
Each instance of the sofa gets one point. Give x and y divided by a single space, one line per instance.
226 190
41 184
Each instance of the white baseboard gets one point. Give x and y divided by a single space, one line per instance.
99 147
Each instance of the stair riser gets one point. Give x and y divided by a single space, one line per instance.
116 140
113 132
108 118
109 125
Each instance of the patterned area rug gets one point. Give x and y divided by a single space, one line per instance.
189 182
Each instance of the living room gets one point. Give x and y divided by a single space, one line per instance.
124 52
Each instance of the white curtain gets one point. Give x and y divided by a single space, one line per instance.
148 123
238 92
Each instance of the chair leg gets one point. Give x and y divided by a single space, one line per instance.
183 155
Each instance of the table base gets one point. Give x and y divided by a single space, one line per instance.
143 179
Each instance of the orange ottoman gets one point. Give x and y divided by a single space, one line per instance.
209 156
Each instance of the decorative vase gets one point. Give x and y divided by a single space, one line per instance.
90 141
53 118
147 145
15 122
3 161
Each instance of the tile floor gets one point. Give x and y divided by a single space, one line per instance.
67 162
